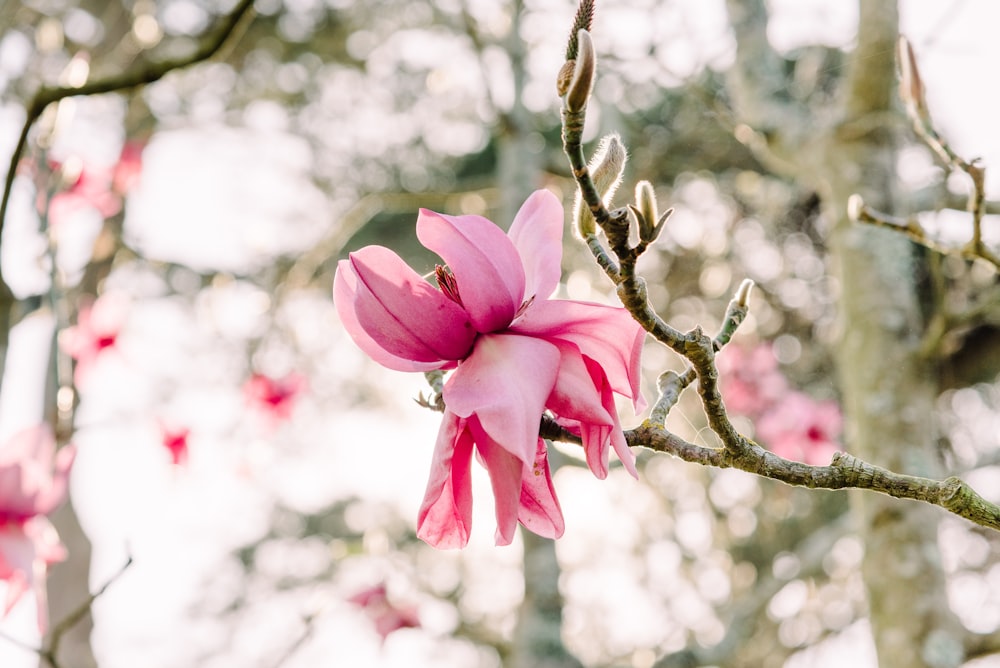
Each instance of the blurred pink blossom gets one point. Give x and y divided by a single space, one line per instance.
749 379
33 481
126 172
175 440
95 186
97 328
90 189
800 428
274 397
386 617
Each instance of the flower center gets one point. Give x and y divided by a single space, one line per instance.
449 286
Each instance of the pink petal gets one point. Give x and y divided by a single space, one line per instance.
428 331
505 477
539 511
445 517
618 441
537 235
505 383
606 334
576 397
485 263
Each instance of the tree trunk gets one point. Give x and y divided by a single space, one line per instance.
888 389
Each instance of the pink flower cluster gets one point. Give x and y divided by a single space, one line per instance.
791 424
515 354
33 480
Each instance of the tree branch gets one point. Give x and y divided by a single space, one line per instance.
144 73
845 471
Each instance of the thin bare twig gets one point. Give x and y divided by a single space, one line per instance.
51 653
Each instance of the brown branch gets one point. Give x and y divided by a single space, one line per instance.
145 73
913 94
845 471
911 227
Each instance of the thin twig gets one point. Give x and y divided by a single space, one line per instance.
51 652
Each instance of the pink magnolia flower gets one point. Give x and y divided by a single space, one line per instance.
514 351
96 331
801 428
274 397
750 380
386 616
33 480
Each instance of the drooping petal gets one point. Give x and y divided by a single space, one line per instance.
505 383
606 334
616 435
537 235
484 261
576 397
505 477
429 332
539 511
445 517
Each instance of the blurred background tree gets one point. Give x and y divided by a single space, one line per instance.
319 127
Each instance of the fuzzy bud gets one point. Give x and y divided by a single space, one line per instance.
606 170
578 90
742 296
565 77
650 221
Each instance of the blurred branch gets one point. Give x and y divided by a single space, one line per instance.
911 227
143 73
51 652
913 93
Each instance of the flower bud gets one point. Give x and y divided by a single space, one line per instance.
606 170
742 296
578 91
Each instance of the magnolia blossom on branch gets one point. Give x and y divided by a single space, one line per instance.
515 353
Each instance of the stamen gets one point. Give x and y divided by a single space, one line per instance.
524 307
446 281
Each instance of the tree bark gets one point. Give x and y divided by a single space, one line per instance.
888 390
